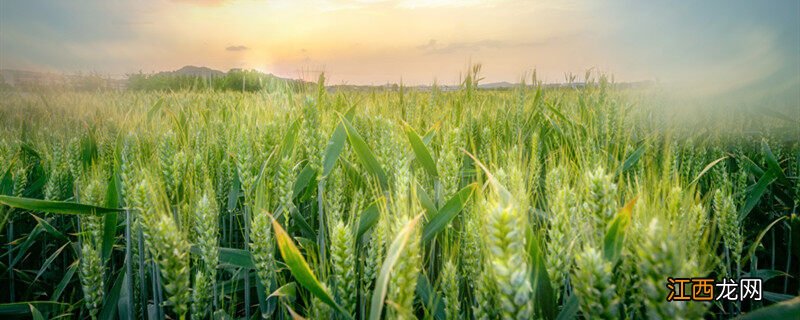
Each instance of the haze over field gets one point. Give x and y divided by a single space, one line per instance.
724 45
381 159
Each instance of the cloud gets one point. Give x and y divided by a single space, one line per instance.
208 3
432 47
237 48
335 5
417 4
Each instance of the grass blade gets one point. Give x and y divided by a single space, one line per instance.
304 178
65 280
789 309
449 211
58 207
430 298
35 314
546 304
369 217
392 256
426 202
110 223
299 267
24 308
6 183
772 163
231 257
631 160
289 139
52 231
756 192
752 251
49 261
365 155
570 310
112 297
708 167
335 145
421 151
286 291
615 235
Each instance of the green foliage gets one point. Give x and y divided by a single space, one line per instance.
505 204
234 80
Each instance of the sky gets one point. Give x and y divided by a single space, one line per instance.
725 45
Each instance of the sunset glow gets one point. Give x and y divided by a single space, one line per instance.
414 41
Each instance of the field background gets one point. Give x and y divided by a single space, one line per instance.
289 202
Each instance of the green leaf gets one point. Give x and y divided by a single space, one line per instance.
354 177
392 256
65 280
755 193
752 251
502 192
773 164
304 178
421 152
752 166
301 222
766 274
292 313
261 172
49 261
299 268
708 167
430 299
110 223
288 290
776 297
59 207
6 183
570 309
426 202
88 149
617 229
52 231
22 250
154 109
631 160
446 214
111 298
35 313
794 229
335 145
266 305
289 139
4 214
369 217
24 308
365 155
233 193
235 257
543 294
231 257
429 136
789 309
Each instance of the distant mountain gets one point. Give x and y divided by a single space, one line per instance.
497 85
207 72
33 79
204 72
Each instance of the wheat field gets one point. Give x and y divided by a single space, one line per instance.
531 203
